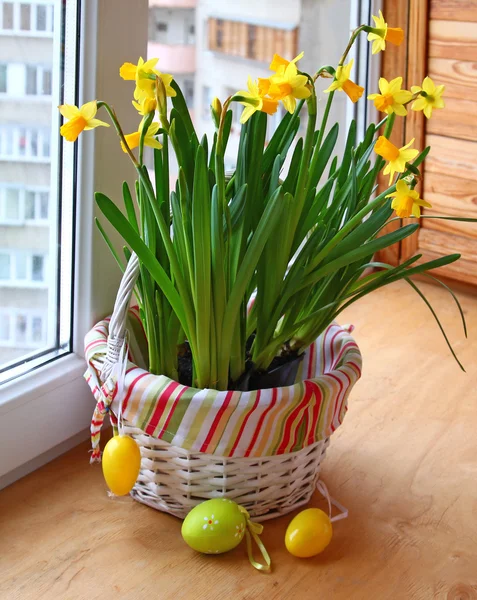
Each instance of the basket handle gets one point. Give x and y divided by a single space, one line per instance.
117 324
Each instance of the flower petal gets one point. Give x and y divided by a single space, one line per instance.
69 111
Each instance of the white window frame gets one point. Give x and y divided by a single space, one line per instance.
48 410
33 31
29 314
22 193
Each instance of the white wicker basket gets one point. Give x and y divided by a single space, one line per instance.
175 480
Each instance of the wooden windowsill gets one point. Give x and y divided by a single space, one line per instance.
404 463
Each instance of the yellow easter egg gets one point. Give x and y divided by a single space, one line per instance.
215 526
121 463
309 533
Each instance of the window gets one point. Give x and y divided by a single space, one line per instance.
37 268
3 79
7 16
22 269
24 143
21 328
250 40
37 80
161 27
27 18
5 268
21 205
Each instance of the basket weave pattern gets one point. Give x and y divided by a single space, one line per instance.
175 480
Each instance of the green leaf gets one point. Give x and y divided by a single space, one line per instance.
123 227
129 206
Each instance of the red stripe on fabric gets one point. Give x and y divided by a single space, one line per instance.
115 391
93 344
343 349
340 402
355 366
261 420
337 400
237 439
131 387
323 347
161 406
218 416
289 422
171 412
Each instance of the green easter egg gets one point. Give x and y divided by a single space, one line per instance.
215 526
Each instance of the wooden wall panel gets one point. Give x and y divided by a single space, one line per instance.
453 39
463 270
457 120
454 10
456 158
459 76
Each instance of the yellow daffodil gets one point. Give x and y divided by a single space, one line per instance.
343 83
79 119
280 64
254 100
132 139
430 97
287 85
397 157
146 106
392 97
144 74
382 33
406 202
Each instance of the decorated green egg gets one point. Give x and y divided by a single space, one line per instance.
215 526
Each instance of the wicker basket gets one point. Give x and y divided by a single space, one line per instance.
174 480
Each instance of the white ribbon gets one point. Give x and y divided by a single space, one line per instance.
119 370
343 514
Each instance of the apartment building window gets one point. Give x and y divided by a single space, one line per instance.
18 267
251 41
38 80
3 79
7 15
24 143
32 17
161 27
21 328
21 205
189 92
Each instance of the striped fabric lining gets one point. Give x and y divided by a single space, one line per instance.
229 423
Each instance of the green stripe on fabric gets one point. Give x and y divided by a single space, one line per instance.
178 414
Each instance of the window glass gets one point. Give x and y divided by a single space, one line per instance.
37 268
46 82
3 79
12 204
20 329
44 199
36 329
31 80
25 17
41 17
39 49
20 266
7 14
4 266
29 205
